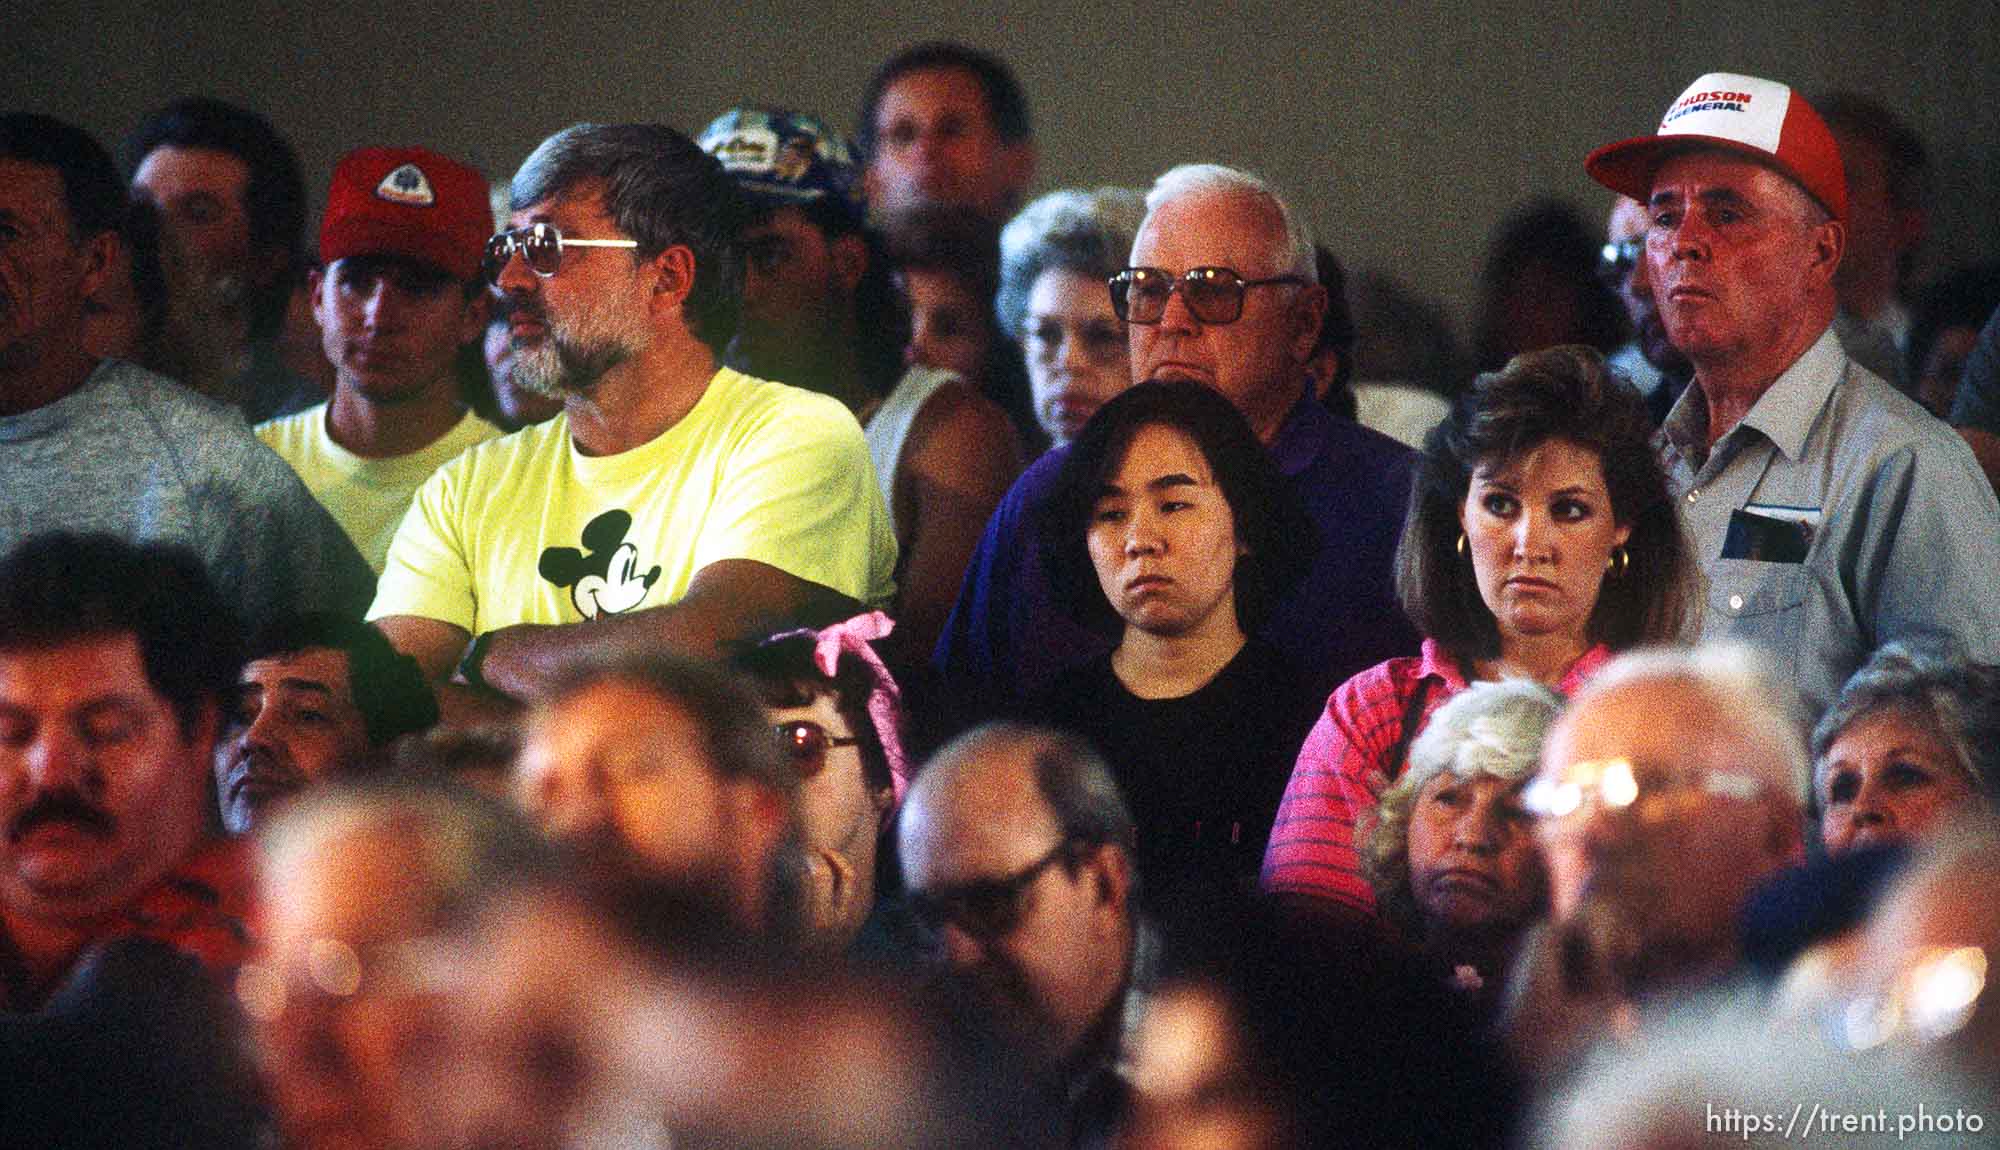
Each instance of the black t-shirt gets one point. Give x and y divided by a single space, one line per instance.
1202 773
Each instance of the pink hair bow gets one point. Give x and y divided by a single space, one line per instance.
885 698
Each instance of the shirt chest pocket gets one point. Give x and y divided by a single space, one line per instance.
1758 601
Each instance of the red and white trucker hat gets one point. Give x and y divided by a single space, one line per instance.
1761 119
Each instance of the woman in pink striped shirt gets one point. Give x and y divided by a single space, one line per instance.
1540 539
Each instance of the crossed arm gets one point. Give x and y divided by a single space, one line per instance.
728 599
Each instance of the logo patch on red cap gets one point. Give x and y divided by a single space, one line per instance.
407 185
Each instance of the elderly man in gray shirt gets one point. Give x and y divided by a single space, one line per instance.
1831 514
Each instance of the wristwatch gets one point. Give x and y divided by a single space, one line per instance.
475 655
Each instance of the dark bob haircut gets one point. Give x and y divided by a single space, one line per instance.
781 672
1563 393
388 686
63 588
1278 538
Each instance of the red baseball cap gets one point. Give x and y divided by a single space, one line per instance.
407 202
1761 119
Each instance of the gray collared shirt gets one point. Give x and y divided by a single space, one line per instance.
1902 530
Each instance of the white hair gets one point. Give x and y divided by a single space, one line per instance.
1737 682
1487 729
1215 179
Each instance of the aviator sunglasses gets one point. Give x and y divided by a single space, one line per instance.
1212 295
541 247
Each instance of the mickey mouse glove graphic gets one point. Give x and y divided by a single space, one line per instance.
604 578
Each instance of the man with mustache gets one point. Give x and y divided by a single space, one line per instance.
320 696
115 661
674 502
398 295
1830 512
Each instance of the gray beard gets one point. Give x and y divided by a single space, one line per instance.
558 368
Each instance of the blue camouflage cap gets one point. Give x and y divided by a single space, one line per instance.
788 157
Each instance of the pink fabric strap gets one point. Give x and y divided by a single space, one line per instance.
885 698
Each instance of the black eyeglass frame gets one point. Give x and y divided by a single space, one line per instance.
955 904
1194 284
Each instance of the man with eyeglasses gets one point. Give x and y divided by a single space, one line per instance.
673 502
397 296
1670 788
1830 512
346 996
1223 289
1650 360
1016 850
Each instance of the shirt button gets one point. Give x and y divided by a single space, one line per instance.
1693 495
1736 602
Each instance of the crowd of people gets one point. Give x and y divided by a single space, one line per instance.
759 638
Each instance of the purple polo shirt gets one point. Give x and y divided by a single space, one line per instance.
1008 638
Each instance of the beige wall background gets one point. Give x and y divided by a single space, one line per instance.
1405 131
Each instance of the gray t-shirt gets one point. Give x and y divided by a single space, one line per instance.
138 456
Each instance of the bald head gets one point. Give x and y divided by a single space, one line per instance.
1006 777
1015 851
977 795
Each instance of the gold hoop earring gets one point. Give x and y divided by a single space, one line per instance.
1461 543
1618 561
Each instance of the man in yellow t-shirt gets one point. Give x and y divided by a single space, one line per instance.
672 502
398 296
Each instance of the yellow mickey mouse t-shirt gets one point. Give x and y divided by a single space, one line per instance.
524 529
